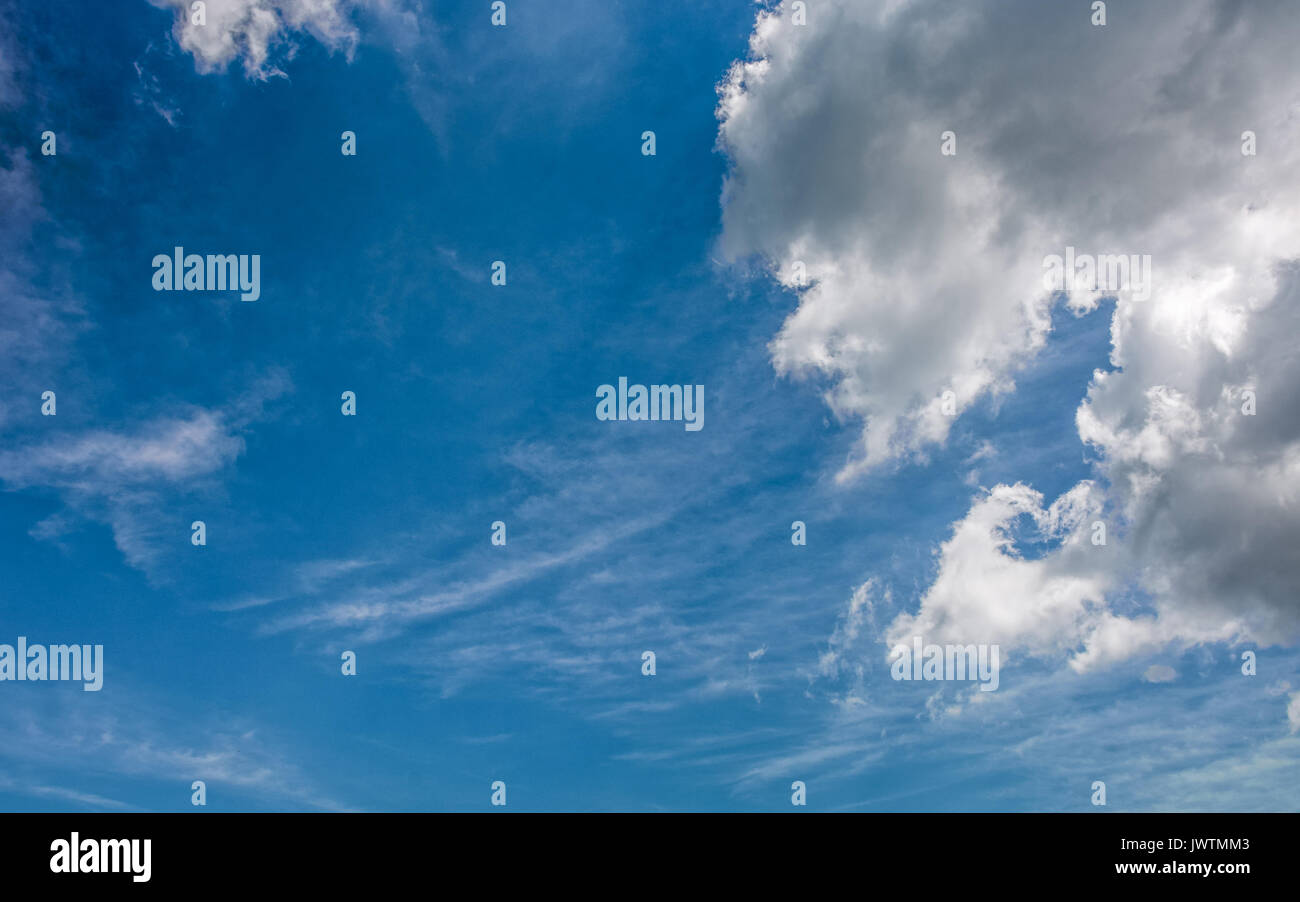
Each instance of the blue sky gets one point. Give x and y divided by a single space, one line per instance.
475 403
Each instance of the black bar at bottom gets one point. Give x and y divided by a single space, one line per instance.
654 853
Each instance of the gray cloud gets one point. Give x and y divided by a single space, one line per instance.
927 271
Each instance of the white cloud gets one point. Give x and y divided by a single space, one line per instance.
84 799
844 642
169 449
122 477
250 30
986 592
128 738
1293 712
927 275
1160 673
385 607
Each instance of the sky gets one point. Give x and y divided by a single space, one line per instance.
861 299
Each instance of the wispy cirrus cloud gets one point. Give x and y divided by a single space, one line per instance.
124 477
65 794
127 736
39 319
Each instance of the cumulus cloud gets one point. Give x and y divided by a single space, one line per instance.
1092 604
251 30
925 275
925 270
986 592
